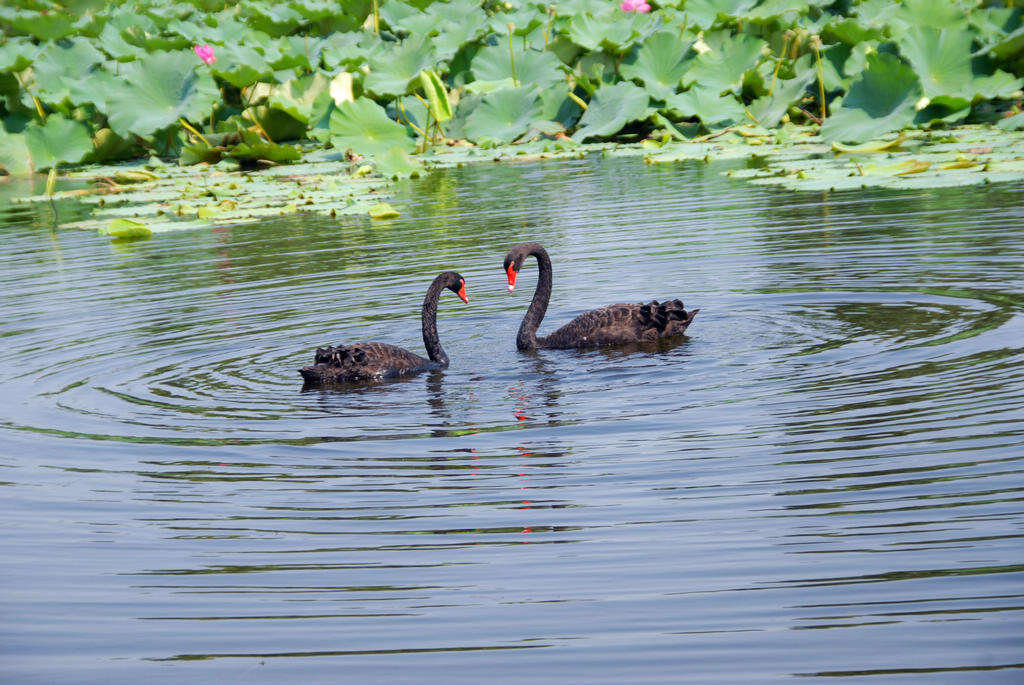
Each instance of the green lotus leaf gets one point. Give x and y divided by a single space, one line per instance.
707 105
613 31
14 154
851 32
948 109
352 50
768 110
721 68
998 85
392 70
18 53
239 65
915 14
382 210
533 67
287 52
275 19
49 26
881 99
154 92
1001 29
297 97
253 148
225 28
58 141
659 63
1014 123
365 127
941 58
108 145
126 229
611 108
504 115
65 68
396 163
152 41
278 124
394 15
704 13
772 9
114 44
437 96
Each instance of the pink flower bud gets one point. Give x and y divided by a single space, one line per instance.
205 53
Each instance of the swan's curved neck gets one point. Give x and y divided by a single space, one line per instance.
527 337
429 318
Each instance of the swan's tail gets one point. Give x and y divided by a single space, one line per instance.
667 318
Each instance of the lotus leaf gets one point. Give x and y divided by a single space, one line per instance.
126 229
660 63
49 26
365 127
721 68
770 109
707 105
396 163
241 66
611 109
18 53
66 67
58 141
941 58
541 69
391 71
14 154
504 115
612 31
156 91
882 98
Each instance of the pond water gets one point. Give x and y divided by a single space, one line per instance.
824 479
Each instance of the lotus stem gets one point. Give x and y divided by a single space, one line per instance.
749 114
416 128
252 117
579 101
778 63
815 43
51 182
376 18
547 30
512 55
194 131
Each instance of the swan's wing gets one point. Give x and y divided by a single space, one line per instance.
367 360
622 323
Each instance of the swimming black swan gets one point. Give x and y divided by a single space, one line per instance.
615 324
374 360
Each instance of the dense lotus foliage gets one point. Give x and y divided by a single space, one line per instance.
311 105
260 82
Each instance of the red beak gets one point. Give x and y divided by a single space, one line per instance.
462 293
512 273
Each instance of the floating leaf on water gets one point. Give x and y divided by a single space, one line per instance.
916 167
382 210
126 228
872 146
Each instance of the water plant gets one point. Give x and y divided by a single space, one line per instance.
384 84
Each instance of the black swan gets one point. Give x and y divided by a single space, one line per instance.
374 360
615 324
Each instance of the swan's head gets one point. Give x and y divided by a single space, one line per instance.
457 284
513 262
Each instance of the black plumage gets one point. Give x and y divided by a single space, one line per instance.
377 361
615 324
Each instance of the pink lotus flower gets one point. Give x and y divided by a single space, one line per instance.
205 53
640 6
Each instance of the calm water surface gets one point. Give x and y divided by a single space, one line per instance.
824 480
